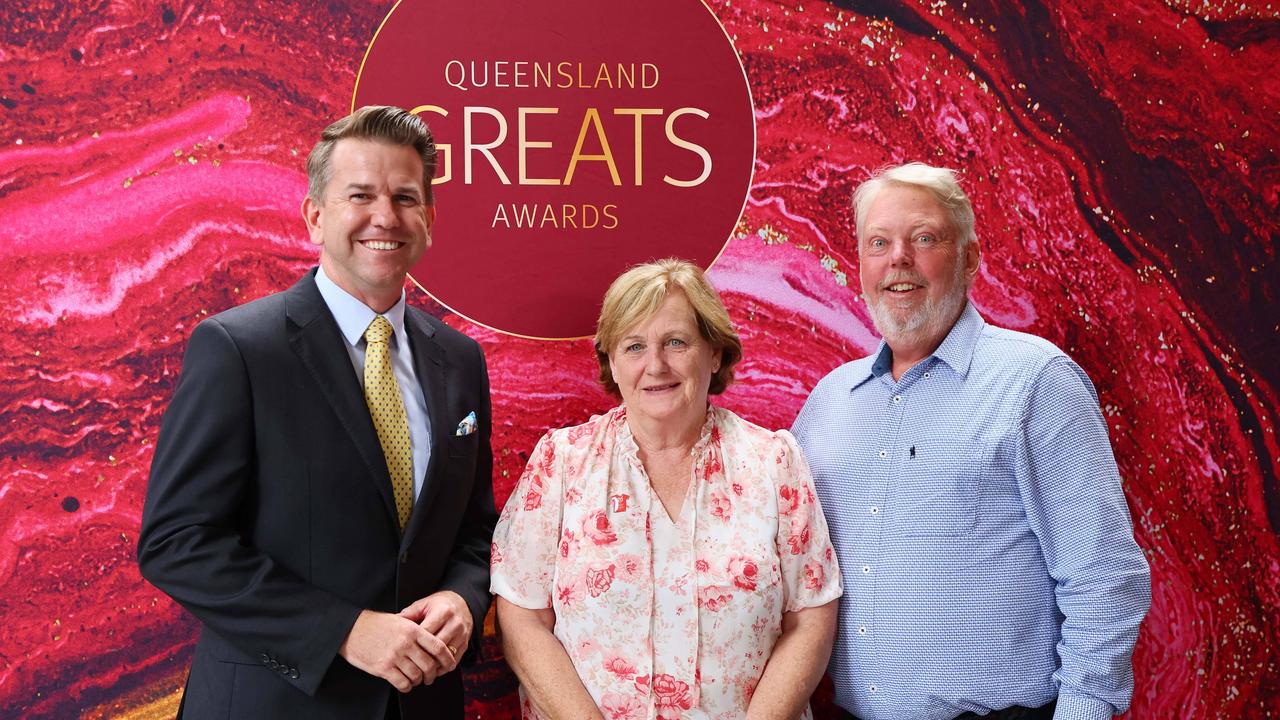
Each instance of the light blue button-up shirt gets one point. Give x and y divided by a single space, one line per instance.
979 521
353 318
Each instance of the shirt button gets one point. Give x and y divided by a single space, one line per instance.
872 688
866 569
926 374
862 630
884 453
875 510
897 398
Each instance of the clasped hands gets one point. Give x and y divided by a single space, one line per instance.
414 646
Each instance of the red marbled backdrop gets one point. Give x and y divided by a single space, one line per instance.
1122 160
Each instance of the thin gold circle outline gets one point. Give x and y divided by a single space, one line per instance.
746 196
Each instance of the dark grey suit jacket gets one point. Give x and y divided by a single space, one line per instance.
269 513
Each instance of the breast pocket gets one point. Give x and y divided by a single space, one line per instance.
937 492
461 446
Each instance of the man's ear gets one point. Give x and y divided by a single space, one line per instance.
430 213
311 210
972 258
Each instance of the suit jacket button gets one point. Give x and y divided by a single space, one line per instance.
404 557
293 673
266 658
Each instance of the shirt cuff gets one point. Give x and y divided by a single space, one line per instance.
1082 707
500 586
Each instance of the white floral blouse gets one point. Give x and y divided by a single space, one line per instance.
665 618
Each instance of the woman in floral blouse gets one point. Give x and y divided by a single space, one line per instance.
667 559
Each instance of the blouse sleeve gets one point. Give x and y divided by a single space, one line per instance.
526 539
810 574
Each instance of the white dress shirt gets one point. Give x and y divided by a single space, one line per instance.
353 319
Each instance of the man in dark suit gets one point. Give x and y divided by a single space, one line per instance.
320 497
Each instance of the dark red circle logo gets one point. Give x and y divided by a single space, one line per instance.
577 138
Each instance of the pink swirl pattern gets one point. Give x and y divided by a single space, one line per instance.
1122 163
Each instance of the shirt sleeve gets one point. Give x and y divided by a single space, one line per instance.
810 574
1076 507
527 537
810 413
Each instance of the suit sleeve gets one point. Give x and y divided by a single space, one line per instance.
467 572
1076 507
190 545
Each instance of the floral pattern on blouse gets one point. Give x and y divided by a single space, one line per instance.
665 618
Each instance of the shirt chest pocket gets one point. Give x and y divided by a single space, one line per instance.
937 491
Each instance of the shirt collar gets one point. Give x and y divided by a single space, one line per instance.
956 349
882 364
710 434
353 317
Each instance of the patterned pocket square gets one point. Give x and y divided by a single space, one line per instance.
467 426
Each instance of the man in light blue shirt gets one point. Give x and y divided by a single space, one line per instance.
989 562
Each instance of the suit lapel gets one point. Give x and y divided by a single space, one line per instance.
314 336
428 364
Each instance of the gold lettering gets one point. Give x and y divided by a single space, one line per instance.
525 214
542 74
500 215
461 74
475 83
648 79
468 146
525 144
536 216
691 147
638 113
602 77
627 73
592 119
548 215
441 148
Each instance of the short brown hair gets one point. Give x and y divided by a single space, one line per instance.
638 293
383 123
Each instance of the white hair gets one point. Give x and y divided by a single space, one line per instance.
941 182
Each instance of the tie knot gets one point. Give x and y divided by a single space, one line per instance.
379 331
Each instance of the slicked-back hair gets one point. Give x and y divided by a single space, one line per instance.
636 296
380 123
940 182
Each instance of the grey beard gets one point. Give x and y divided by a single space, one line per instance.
933 321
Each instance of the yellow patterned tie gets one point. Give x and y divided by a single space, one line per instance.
382 393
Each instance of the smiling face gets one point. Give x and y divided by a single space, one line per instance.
663 366
373 221
915 277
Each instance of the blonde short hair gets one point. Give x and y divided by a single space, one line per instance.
636 296
941 182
